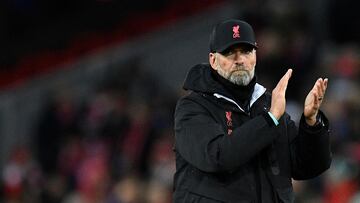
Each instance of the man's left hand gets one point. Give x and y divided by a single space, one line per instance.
313 101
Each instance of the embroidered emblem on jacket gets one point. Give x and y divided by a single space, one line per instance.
229 124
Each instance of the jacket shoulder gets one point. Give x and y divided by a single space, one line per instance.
196 98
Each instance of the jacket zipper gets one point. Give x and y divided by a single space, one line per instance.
219 96
258 91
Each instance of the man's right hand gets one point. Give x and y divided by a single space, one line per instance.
278 101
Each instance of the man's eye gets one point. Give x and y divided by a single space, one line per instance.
247 51
228 53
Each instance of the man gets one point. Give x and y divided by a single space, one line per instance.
234 142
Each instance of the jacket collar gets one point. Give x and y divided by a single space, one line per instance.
199 79
259 90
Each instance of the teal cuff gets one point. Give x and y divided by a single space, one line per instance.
273 118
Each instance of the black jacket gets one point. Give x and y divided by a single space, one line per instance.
226 155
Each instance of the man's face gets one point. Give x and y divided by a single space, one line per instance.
236 64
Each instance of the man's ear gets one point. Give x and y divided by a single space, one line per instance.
212 60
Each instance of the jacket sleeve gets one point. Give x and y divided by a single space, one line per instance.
202 142
310 150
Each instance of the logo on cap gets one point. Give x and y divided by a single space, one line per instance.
236 31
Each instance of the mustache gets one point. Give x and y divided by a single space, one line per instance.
239 68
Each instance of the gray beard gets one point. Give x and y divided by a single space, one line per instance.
242 78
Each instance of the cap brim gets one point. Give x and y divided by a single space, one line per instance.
226 46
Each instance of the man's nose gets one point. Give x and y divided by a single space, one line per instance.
239 57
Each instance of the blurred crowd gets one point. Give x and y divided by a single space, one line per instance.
115 145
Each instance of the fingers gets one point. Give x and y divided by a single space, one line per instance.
282 85
314 99
278 102
325 84
320 87
317 99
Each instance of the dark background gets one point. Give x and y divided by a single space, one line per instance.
88 90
